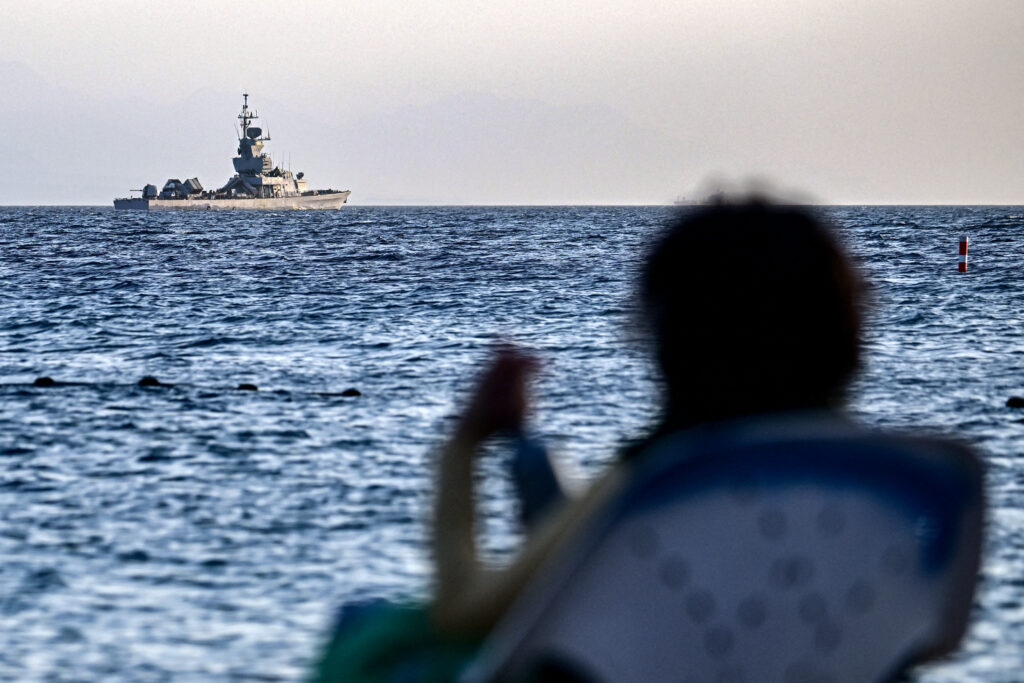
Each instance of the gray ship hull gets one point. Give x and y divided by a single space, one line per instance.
324 200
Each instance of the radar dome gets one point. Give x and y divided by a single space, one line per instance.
253 132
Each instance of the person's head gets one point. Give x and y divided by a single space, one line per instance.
754 308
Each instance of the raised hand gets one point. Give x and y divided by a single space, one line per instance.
500 400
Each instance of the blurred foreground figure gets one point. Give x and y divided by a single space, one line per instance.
755 535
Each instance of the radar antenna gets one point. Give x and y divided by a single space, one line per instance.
246 117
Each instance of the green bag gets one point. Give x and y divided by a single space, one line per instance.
391 643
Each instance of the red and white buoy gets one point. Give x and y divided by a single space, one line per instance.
962 266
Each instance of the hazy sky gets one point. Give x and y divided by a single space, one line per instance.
525 102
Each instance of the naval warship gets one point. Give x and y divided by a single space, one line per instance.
257 183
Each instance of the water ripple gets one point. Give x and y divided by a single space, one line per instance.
201 531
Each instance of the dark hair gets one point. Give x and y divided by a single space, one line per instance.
754 308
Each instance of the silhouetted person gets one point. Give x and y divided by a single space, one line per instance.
752 309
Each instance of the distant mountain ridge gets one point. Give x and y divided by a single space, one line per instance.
65 147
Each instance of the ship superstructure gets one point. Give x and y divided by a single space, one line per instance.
257 183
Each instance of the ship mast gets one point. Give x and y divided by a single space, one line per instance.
245 117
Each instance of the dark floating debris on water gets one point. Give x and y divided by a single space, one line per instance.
205 391
351 391
51 382
1015 402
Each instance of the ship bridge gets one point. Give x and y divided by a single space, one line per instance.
251 159
256 176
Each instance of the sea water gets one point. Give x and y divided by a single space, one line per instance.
198 531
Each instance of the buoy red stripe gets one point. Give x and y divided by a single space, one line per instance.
962 265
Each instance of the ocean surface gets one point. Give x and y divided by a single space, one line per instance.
202 532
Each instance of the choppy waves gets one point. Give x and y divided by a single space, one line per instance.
202 531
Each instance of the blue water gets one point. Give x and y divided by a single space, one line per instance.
202 532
